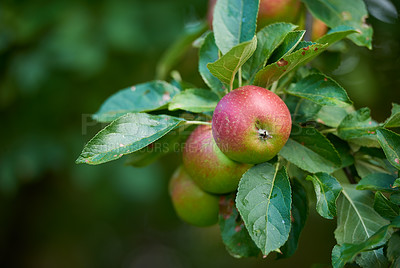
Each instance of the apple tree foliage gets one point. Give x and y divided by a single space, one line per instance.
351 160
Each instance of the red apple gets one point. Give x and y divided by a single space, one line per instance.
191 203
213 171
319 28
251 124
270 11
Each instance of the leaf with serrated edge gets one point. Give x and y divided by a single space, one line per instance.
384 207
327 190
345 253
357 221
288 45
394 119
302 110
311 151
390 143
233 233
359 128
274 71
228 65
299 215
321 90
336 34
264 202
194 100
144 97
331 115
336 13
234 22
169 143
268 39
125 135
208 53
377 182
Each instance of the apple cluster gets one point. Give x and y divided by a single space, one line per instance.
250 125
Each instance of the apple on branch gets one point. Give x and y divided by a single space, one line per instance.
211 169
251 124
192 204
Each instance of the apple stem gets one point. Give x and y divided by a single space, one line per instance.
240 76
309 24
274 86
197 123
329 130
297 107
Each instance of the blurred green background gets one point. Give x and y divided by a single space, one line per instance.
59 60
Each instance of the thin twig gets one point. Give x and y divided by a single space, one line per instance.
240 76
197 123
349 175
309 24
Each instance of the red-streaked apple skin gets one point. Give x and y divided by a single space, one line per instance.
192 204
271 11
319 28
242 115
212 170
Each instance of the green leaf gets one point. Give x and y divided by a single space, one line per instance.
126 135
303 44
311 151
274 71
331 115
395 198
299 215
357 221
140 98
288 45
228 65
234 22
268 39
377 182
343 149
321 90
347 252
384 207
336 34
327 190
170 143
359 128
233 232
208 54
302 110
342 12
394 119
366 164
176 51
393 249
390 143
194 100
264 202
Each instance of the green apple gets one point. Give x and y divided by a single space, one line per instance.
192 204
212 170
251 124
